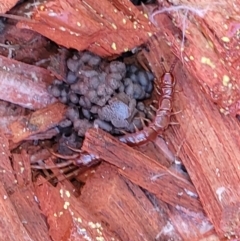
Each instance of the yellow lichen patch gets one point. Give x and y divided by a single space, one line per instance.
114 46
61 193
68 194
210 44
225 39
41 8
225 80
66 205
91 224
135 25
79 220
114 26
207 61
100 238
224 111
62 28
145 15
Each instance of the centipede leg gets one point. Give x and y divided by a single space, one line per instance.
176 112
58 165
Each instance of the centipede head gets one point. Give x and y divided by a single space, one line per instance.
168 79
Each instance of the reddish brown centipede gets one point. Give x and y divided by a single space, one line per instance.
148 133
163 113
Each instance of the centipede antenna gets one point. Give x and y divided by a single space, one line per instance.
163 67
173 65
59 165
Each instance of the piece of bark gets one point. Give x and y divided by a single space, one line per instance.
210 151
10 224
25 201
68 218
140 169
21 217
45 135
6 5
122 205
105 27
37 122
191 226
210 46
24 84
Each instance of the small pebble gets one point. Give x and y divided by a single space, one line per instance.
142 78
73 98
71 78
95 109
140 106
55 91
65 123
103 125
73 64
138 92
88 73
94 82
127 81
92 95
63 99
85 102
86 113
113 82
129 90
86 57
149 88
94 61
64 92
134 78
150 76
131 69
118 67
72 113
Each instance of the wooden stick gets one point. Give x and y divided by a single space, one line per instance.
68 218
37 122
141 170
124 206
24 84
210 151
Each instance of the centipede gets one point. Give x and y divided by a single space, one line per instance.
163 112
